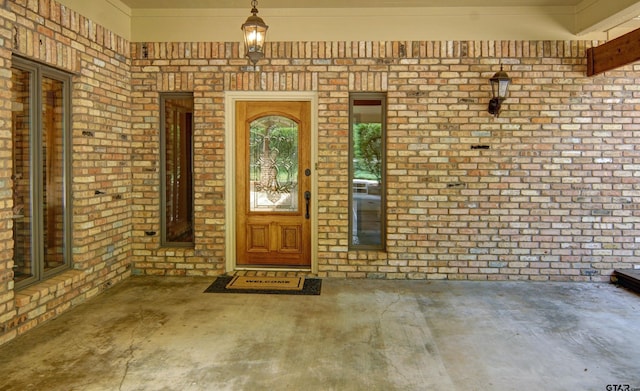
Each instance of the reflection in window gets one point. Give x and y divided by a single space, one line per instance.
23 266
177 169
366 171
40 131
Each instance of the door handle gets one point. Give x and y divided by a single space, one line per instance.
307 198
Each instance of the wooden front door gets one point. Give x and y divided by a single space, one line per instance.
273 182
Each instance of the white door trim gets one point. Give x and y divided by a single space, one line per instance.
230 168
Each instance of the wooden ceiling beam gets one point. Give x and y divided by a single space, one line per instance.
614 54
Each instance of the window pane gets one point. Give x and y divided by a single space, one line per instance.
22 255
53 172
274 164
178 172
39 131
367 171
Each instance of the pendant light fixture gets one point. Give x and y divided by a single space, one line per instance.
255 32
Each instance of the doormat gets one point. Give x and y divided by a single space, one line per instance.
266 285
278 283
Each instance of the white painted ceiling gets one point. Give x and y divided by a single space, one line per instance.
613 30
139 4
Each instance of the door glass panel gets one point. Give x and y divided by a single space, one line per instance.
53 172
273 165
22 256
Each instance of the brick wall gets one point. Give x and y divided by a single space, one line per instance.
547 191
7 305
99 61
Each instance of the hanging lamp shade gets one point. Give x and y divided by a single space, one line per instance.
255 33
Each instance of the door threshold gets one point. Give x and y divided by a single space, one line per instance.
273 268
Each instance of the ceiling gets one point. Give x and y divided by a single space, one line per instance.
352 20
614 30
185 4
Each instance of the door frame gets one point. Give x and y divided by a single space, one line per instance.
231 97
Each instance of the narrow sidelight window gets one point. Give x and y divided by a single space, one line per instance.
41 171
176 143
367 216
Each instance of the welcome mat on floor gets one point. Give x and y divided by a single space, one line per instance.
266 285
279 283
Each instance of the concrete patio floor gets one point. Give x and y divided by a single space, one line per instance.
152 333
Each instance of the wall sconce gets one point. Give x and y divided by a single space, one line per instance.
255 32
499 88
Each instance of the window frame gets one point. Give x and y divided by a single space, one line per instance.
163 170
354 96
37 73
